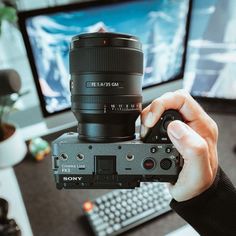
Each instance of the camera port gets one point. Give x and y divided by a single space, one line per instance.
80 157
64 156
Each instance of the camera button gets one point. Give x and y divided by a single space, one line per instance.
153 149
166 121
148 164
166 164
168 150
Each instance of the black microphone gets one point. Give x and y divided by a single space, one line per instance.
10 82
3 210
8 227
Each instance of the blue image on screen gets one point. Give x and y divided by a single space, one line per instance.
160 25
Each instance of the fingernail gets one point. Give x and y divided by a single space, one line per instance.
143 131
149 120
177 129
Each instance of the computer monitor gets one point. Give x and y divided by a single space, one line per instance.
162 26
211 61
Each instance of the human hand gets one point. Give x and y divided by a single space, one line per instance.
195 139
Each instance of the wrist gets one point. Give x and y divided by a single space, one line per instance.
207 189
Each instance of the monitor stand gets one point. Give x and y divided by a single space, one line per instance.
33 124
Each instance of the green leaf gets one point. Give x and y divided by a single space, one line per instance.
8 14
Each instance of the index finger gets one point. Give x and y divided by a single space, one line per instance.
179 100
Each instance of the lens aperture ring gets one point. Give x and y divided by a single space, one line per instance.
106 99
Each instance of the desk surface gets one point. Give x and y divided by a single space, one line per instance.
58 212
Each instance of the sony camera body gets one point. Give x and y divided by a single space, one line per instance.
80 164
106 98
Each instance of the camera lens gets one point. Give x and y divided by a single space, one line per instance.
106 85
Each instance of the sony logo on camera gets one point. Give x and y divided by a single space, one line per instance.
104 84
68 178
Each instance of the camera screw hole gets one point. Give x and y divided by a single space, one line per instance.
129 157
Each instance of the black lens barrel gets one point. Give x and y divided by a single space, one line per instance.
106 77
106 52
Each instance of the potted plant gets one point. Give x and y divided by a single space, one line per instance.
12 145
7 12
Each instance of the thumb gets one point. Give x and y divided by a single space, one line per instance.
196 175
188 142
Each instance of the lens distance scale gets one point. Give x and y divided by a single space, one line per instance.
122 107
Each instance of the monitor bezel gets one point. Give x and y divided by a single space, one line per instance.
24 15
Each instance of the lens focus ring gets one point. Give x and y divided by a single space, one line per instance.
95 59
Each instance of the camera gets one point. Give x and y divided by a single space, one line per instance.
106 98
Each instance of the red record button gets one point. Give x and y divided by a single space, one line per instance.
148 164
